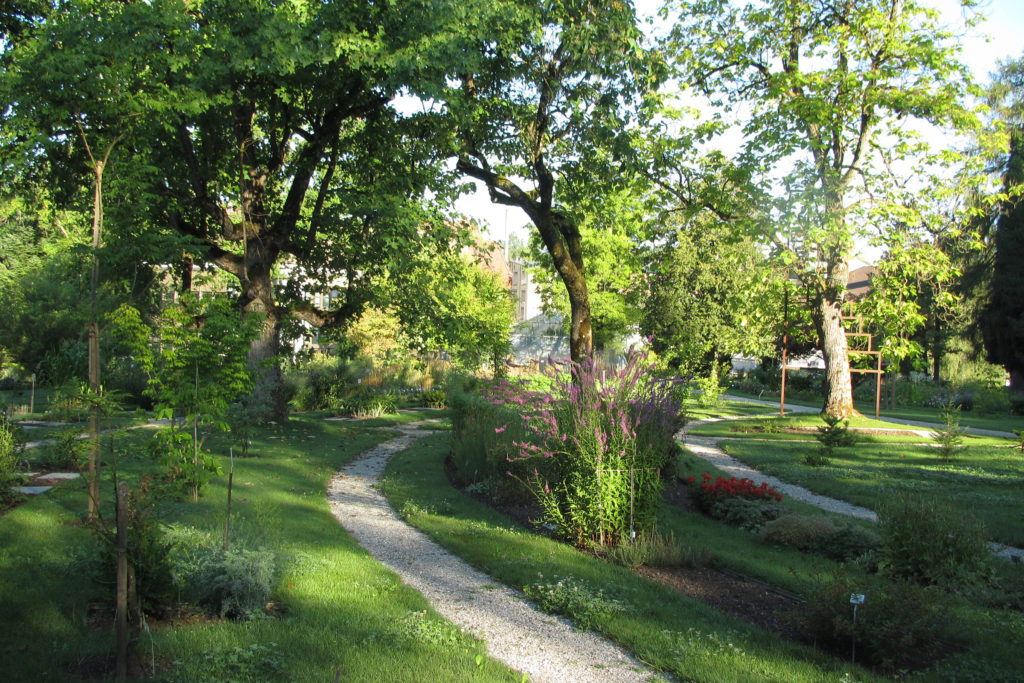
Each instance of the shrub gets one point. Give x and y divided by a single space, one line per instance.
843 542
950 436
10 450
802 532
989 400
484 440
67 452
67 404
929 541
367 404
608 437
831 435
149 553
187 469
707 492
234 583
899 625
434 398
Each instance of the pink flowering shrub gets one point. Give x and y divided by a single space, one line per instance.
597 443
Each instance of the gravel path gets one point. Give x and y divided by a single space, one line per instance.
545 647
707 449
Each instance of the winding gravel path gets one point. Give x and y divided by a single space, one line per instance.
545 647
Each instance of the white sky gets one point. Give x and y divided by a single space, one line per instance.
995 39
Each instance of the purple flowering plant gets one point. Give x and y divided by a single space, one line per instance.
598 441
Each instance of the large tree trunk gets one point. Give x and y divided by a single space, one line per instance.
265 349
565 245
829 315
838 387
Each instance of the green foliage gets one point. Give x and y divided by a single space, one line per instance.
482 445
706 299
456 302
253 663
67 453
1002 316
187 467
822 535
899 625
608 439
234 583
658 550
586 606
66 404
815 106
744 513
363 403
950 436
835 433
200 364
149 553
928 540
10 450
434 398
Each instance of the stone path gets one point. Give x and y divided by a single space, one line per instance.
707 449
540 645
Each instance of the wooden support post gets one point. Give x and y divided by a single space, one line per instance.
121 616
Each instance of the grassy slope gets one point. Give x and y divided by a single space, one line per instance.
344 612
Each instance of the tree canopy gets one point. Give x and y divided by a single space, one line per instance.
824 93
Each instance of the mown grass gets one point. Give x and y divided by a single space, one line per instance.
769 426
666 630
342 613
1000 422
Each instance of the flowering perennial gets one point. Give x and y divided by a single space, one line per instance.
733 487
597 441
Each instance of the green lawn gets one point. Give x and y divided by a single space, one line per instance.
344 614
1003 423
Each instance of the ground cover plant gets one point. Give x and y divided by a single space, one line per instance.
335 611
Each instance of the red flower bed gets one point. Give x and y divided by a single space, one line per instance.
711 491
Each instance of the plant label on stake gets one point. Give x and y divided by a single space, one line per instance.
856 599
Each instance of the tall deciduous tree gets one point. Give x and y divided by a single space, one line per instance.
268 136
1002 319
825 91
546 98
705 298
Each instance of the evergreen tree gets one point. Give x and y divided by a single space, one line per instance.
1002 320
